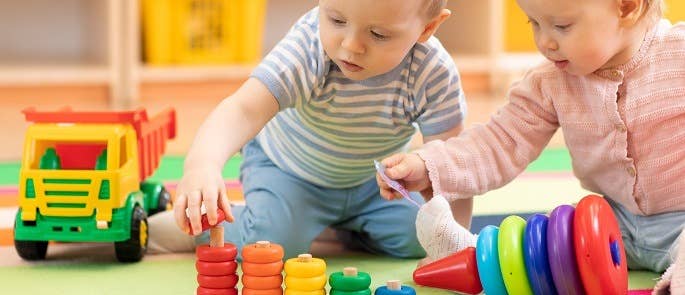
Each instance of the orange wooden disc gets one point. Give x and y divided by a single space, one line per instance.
262 269
248 291
216 268
216 254
255 254
208 291
262 283
217 282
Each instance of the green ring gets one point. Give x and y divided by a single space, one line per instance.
339 281
366 291
510 248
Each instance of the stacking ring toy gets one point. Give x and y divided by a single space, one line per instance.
263 283
510 247
204 220
561 252
338 281
535 255
312 268
298 292
383 290
366 291
263 254
306 283
208 291
262 269
574 251
487 259
599 255
248 291
216 268
219 282
216 254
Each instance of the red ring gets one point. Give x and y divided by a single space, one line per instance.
216 254
208 291
216 268
217 282
595 228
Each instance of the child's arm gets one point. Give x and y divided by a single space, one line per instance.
236 120
484 157
462 209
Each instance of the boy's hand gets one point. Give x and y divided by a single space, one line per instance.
200 187
409 170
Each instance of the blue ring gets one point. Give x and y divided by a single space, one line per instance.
535 255
487 258
406 290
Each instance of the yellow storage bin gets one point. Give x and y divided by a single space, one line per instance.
177 32
518 36
675 10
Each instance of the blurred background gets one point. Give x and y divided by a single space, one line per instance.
190 54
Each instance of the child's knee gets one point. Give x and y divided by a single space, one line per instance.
408 247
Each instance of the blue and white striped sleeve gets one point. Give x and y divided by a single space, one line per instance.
441 104
291 69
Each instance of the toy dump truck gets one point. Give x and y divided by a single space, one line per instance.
83 179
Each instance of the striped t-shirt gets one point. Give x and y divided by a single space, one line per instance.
330 128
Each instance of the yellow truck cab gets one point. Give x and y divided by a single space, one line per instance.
82 179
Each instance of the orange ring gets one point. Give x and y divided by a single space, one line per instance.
253 253
262 269
216 268
248 291
217 282
262 283
216 254
208 291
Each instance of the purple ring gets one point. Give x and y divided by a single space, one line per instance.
561 251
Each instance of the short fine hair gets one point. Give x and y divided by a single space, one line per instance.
433 7
655 10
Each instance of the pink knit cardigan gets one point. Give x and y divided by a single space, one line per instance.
624 128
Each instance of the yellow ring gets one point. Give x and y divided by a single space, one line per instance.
298 292
302 269
306 284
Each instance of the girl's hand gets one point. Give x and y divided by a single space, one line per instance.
409 170
199 187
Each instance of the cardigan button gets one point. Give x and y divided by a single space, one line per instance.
631 171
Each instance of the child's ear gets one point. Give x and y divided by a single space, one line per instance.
630 11
433 25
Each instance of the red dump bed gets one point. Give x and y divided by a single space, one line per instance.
152 133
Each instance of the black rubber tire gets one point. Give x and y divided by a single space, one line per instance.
31 250
163 202
133 249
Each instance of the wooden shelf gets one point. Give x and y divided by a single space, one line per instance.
517 62
193 73
54 75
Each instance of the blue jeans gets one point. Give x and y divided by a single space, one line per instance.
650 241
285 209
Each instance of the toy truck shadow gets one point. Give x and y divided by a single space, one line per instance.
83 179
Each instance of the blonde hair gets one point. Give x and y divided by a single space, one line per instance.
655 10
433 7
